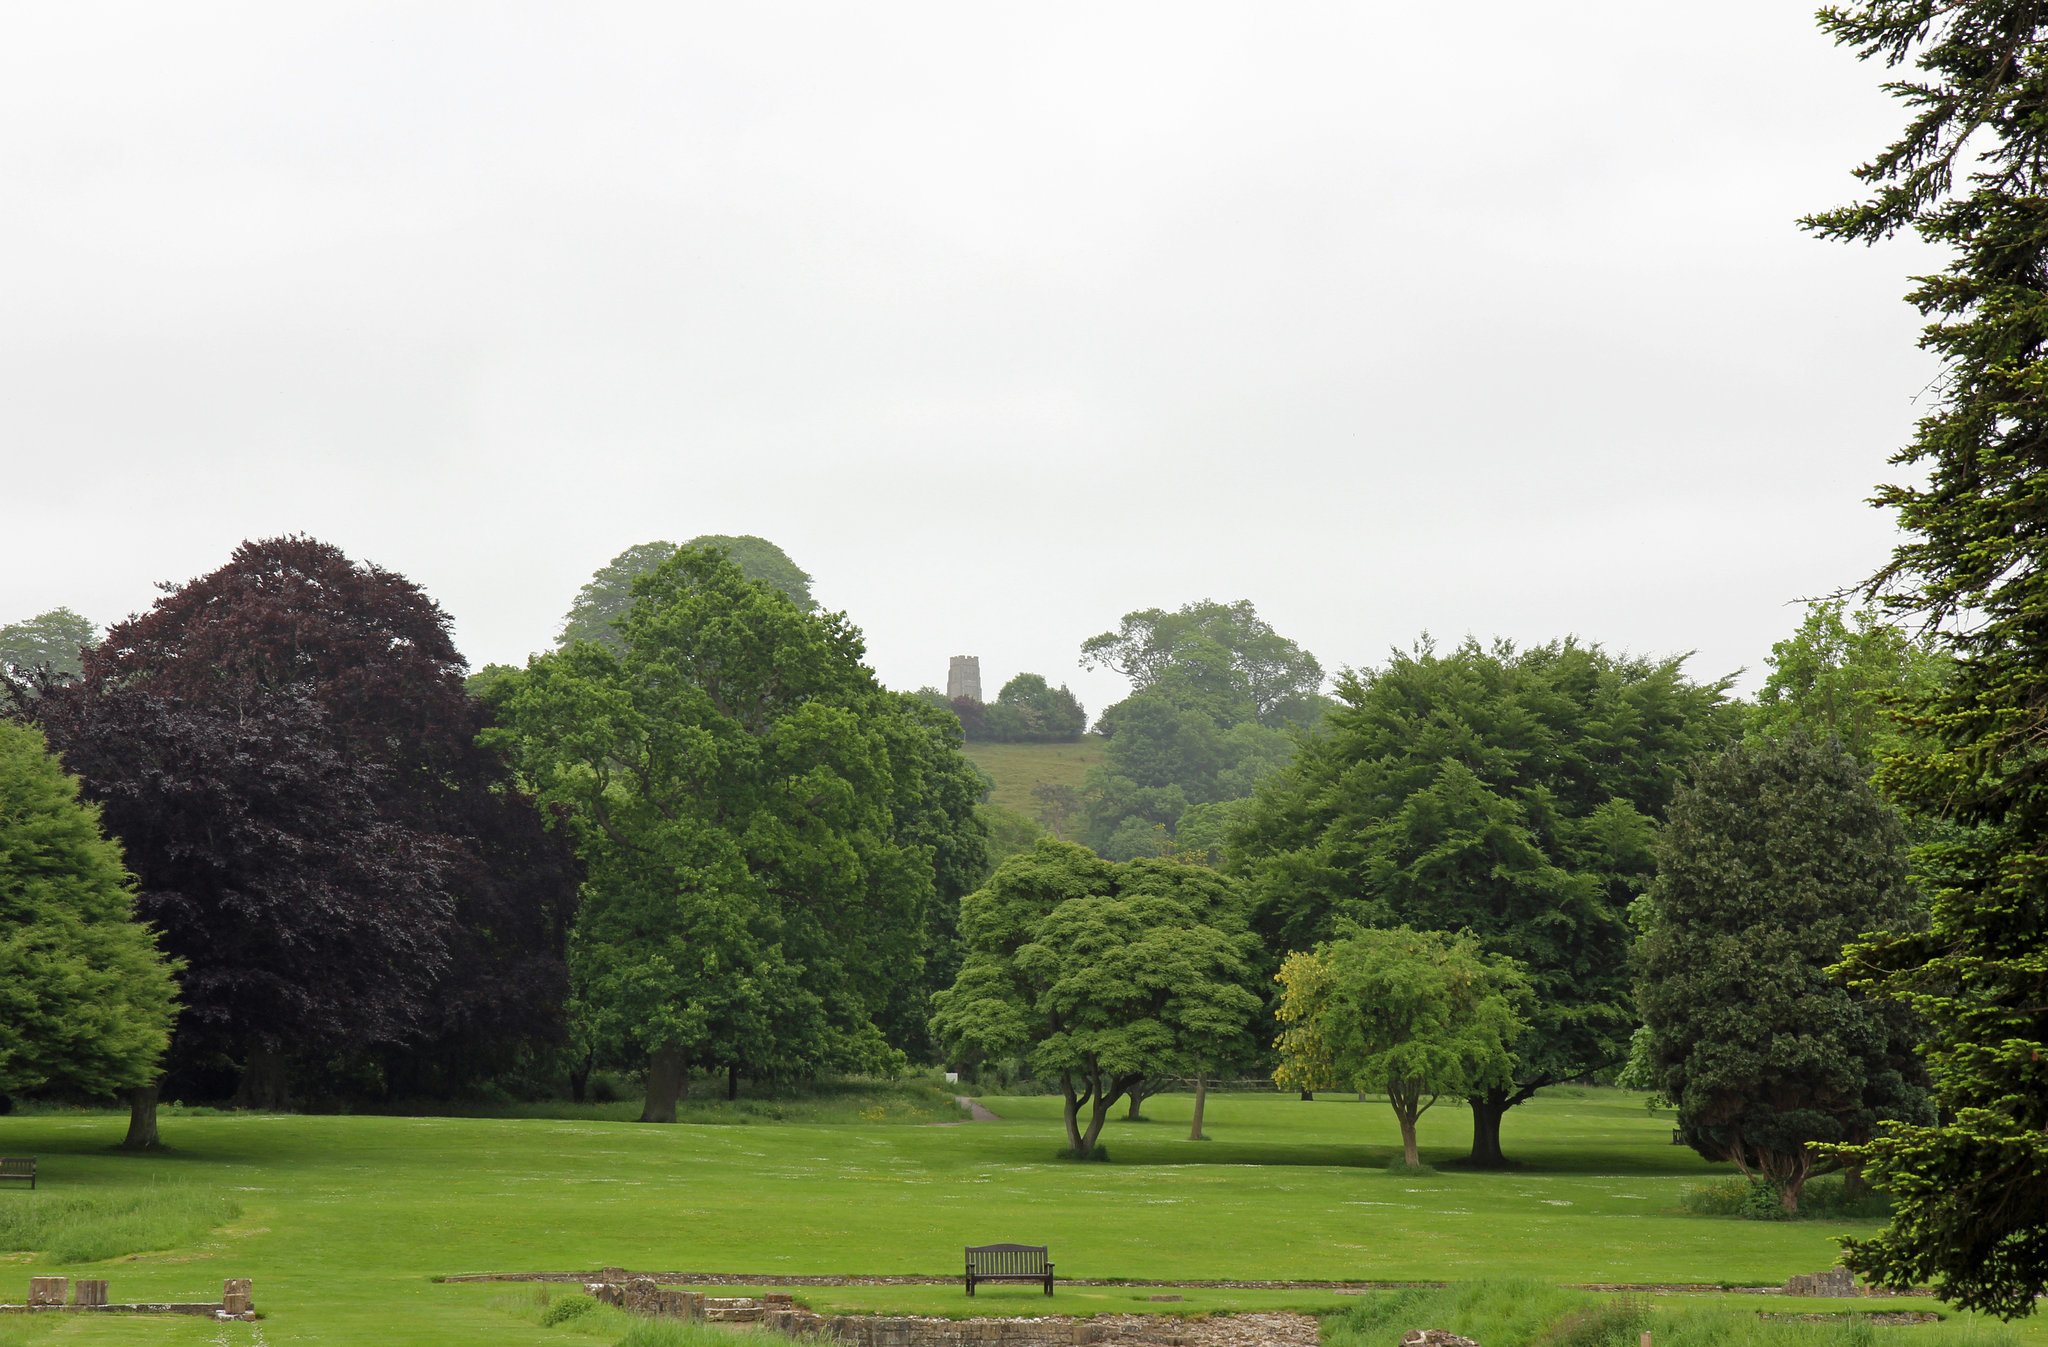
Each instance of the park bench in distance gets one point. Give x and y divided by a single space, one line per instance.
1008 1263
23 1169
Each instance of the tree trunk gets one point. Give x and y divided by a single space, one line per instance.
1487 1111
1408 1150
1098 1116
1071 1110
579 1077
263 1080
142 1135
1201 1099
1308 1096
1137 1097
664 1084
732 1083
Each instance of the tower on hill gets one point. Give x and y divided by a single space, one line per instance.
964 678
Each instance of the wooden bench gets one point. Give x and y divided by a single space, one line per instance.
23 1169
1008 1263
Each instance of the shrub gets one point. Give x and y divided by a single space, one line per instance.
565 1309
1757 1200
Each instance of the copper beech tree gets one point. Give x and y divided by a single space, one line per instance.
286 750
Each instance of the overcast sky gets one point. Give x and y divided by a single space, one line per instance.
1001 319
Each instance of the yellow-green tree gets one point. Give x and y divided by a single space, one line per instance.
1413 1014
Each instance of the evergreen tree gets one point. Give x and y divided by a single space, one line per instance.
1774 857
1970 1192
85 998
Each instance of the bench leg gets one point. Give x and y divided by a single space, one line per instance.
1048 1283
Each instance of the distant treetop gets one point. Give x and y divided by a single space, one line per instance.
51 640
605 599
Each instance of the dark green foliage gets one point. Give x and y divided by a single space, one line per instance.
1775 856
1759 1200
1217 697
1105 975
1222 659
1009 834
51 641
767 830
1971 1192
1029 711
601 604
1507 792
85 998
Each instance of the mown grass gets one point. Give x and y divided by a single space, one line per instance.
347 1220
1017 768
92 1227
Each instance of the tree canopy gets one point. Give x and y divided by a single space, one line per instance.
55 641
1414 1014
764 826
286 749
86 999
1511 793
1847 675
1970 1191
1220 658
1103 974
1775 856
602 602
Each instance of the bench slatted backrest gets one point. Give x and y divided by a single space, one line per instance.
15 1168
1007 1260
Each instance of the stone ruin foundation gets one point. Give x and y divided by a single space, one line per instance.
88 1295
780 1313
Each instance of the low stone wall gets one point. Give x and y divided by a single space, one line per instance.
49 1295
640 1295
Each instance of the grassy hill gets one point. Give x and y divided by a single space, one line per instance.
1018 767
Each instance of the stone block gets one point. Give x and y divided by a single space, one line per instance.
1434 1337
1834 1282
47 1290
89 1291
234 1302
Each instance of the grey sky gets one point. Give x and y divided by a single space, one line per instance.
1002 320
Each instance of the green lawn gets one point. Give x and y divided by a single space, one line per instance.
344 1220
1018 767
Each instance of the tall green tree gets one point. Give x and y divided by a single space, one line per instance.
746 799
54 641
1970 1192
1776 855
1511 793
1847 675
1105 975
1414 1014
602 603
1222 658
86 999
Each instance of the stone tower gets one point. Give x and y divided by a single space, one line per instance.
964 678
